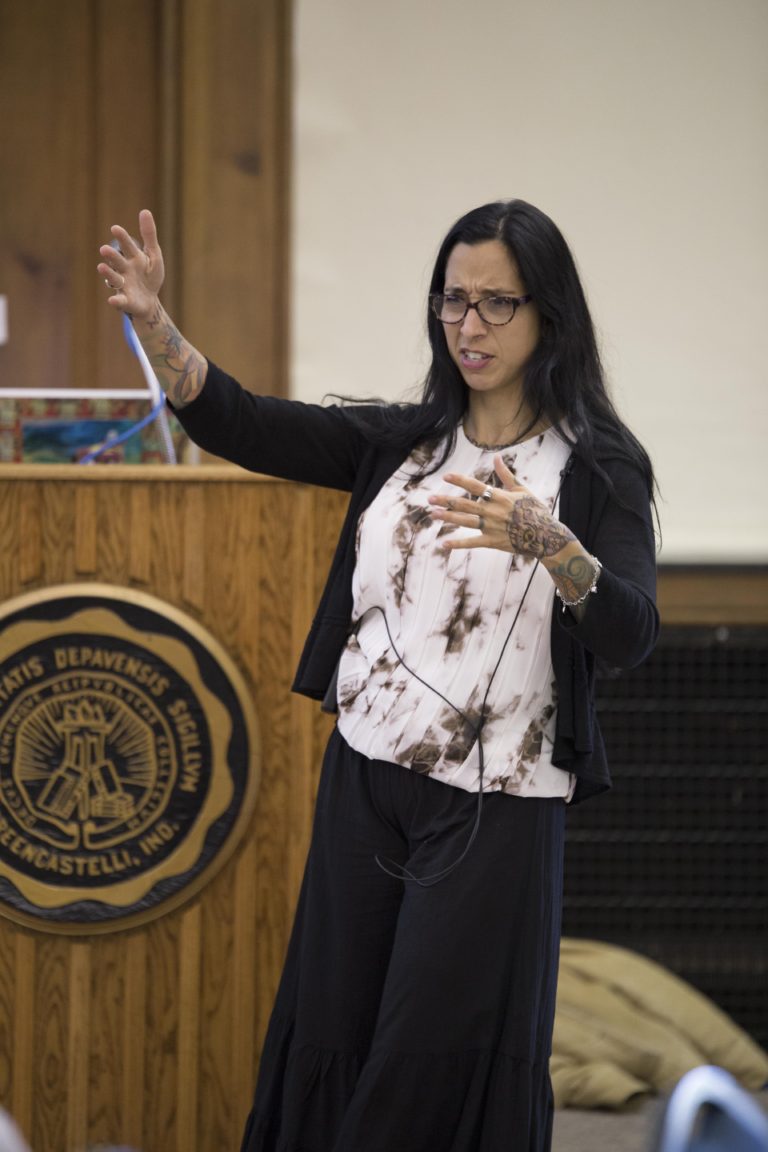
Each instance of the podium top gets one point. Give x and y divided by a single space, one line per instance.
174 473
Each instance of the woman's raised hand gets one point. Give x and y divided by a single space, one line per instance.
509 518
512 519
134 272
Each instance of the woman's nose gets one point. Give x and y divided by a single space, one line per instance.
473 323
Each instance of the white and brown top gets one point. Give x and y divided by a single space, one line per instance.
449 615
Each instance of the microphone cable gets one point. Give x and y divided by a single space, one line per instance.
391 867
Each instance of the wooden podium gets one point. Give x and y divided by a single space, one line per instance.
150 1036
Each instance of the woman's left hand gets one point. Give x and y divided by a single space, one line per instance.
511 519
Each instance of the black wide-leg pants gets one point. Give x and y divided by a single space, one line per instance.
409 1018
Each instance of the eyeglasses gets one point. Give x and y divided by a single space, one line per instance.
451 308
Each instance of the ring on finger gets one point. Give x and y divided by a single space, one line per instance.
486 494
480 523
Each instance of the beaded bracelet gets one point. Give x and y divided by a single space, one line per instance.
592 588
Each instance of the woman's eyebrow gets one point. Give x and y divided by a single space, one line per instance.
488 291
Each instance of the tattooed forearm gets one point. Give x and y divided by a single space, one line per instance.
179 367
180 379
534 532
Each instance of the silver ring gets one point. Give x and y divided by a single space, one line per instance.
480 523
486 494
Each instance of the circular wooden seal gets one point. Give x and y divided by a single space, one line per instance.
128 757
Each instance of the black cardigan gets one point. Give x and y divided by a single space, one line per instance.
311 444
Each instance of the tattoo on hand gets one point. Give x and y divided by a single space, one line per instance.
532 530
574 577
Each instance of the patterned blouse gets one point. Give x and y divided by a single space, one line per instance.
433 643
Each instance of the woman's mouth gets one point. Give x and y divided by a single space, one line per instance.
473 361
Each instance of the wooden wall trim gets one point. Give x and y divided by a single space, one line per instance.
714 594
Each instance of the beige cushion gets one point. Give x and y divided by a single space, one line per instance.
595 1085
618 1010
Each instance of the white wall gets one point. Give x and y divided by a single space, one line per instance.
640 126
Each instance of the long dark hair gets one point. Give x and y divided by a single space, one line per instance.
564 381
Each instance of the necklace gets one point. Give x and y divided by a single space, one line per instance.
488 447
500 447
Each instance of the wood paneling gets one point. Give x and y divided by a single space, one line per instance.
233 155
151 1036
176 105
79 100
22 1012
130 1094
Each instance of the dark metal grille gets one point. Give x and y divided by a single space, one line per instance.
672 862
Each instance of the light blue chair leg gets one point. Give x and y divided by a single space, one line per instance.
733 1122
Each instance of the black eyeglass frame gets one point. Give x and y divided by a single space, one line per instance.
517 302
